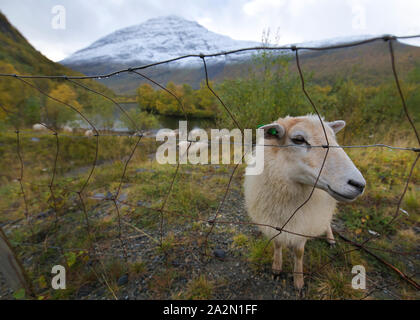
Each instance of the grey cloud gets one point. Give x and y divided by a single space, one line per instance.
297 20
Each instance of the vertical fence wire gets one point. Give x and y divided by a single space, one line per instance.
114 198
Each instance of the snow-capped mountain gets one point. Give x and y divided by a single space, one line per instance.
156 40
169 37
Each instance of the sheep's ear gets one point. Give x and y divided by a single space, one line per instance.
273 130
337 125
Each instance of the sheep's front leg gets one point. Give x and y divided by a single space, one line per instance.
330 236
277 259
298 269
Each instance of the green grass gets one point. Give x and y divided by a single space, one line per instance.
199 288
260 253
194 197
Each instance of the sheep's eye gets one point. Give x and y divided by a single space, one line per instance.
272 131
299 140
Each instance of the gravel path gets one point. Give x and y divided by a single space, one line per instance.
168 275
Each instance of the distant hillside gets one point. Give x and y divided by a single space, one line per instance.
126 83
16 50
18 56
157 39
368 64
139 45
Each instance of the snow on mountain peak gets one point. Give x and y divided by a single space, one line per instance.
157 39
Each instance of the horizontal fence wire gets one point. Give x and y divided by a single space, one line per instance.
217 141
138 134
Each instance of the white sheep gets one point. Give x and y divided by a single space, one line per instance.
39 127
67 129
287 180
89 133
196 132
169 132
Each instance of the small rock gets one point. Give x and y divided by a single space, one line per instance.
43 214
219 253
84 291
100 292
143 203
123 280
404 211
139 170
98 196
373 233
35 139
176 263
109 195
122 197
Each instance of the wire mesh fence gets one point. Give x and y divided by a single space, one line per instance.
125 230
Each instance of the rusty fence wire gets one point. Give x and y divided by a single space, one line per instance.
113 197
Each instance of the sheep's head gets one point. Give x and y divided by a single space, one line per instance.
302 161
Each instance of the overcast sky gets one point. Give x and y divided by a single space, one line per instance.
293 21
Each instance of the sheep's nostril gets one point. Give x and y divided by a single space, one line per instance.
358 185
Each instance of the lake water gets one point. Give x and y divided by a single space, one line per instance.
170 122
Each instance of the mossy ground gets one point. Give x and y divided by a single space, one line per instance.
101 245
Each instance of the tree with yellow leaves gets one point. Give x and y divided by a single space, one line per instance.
57 114
146 97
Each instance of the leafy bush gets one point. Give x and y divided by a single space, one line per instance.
140 119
